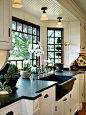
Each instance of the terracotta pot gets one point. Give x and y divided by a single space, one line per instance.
25 74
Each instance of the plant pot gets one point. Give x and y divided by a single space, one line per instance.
25 74
12 82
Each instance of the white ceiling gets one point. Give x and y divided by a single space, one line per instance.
81 4
33 7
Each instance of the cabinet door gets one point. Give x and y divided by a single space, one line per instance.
47 110
81 87
74 95
65 105
82 39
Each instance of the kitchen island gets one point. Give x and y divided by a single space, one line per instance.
39 93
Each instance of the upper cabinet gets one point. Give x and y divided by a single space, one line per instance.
77 36
82 38
5 24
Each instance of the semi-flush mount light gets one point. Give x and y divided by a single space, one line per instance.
17 4
44 15
59 22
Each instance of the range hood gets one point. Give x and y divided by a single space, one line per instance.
4 54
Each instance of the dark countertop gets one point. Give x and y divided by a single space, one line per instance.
69 73
27 89
30 89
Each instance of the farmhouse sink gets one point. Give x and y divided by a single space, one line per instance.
63 86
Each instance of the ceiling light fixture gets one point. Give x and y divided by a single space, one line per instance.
44 15
59 22
17 4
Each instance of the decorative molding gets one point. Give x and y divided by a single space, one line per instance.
72 7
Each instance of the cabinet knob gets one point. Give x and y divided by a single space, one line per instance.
10 113
46 95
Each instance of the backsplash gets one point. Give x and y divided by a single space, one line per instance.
81 60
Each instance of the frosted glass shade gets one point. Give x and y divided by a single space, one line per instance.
17 4
59 24
44 17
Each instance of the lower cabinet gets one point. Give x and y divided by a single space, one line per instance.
74 96
12 108
81 87
48 110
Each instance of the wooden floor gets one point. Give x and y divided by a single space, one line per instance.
83 111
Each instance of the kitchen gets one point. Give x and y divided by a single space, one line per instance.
73 21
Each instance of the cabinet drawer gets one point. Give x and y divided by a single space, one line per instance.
15 108
47 97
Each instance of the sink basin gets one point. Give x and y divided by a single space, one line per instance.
64 84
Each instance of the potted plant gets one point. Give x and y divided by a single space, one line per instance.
58 65
25 72
12 76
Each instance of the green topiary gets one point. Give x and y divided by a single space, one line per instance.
59 40
12 70
58 48
58 54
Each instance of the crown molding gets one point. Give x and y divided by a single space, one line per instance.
73 8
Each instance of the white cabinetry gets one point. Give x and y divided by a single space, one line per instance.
5 24
82 38
46 101
74 95
81 89
15 108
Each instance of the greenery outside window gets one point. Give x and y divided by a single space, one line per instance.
23 34
55 44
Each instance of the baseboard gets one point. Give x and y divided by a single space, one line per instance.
75 109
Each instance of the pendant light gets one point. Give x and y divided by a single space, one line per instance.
17 4
59 22
44 15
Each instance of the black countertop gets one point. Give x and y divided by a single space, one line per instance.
27 89
69 73
30 89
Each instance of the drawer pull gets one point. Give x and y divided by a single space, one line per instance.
65 99
46 96
10 113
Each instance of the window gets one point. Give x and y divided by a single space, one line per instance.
23 34
55 44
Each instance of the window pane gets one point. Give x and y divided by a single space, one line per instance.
34 31
50 47
19 64
57 33
50 40
57 47
57 40
50 54
19 26
29 29
34 62
34 55
29 39
24 28
13 62
13 25
34 39
57 60
56 55
50 33
38 39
